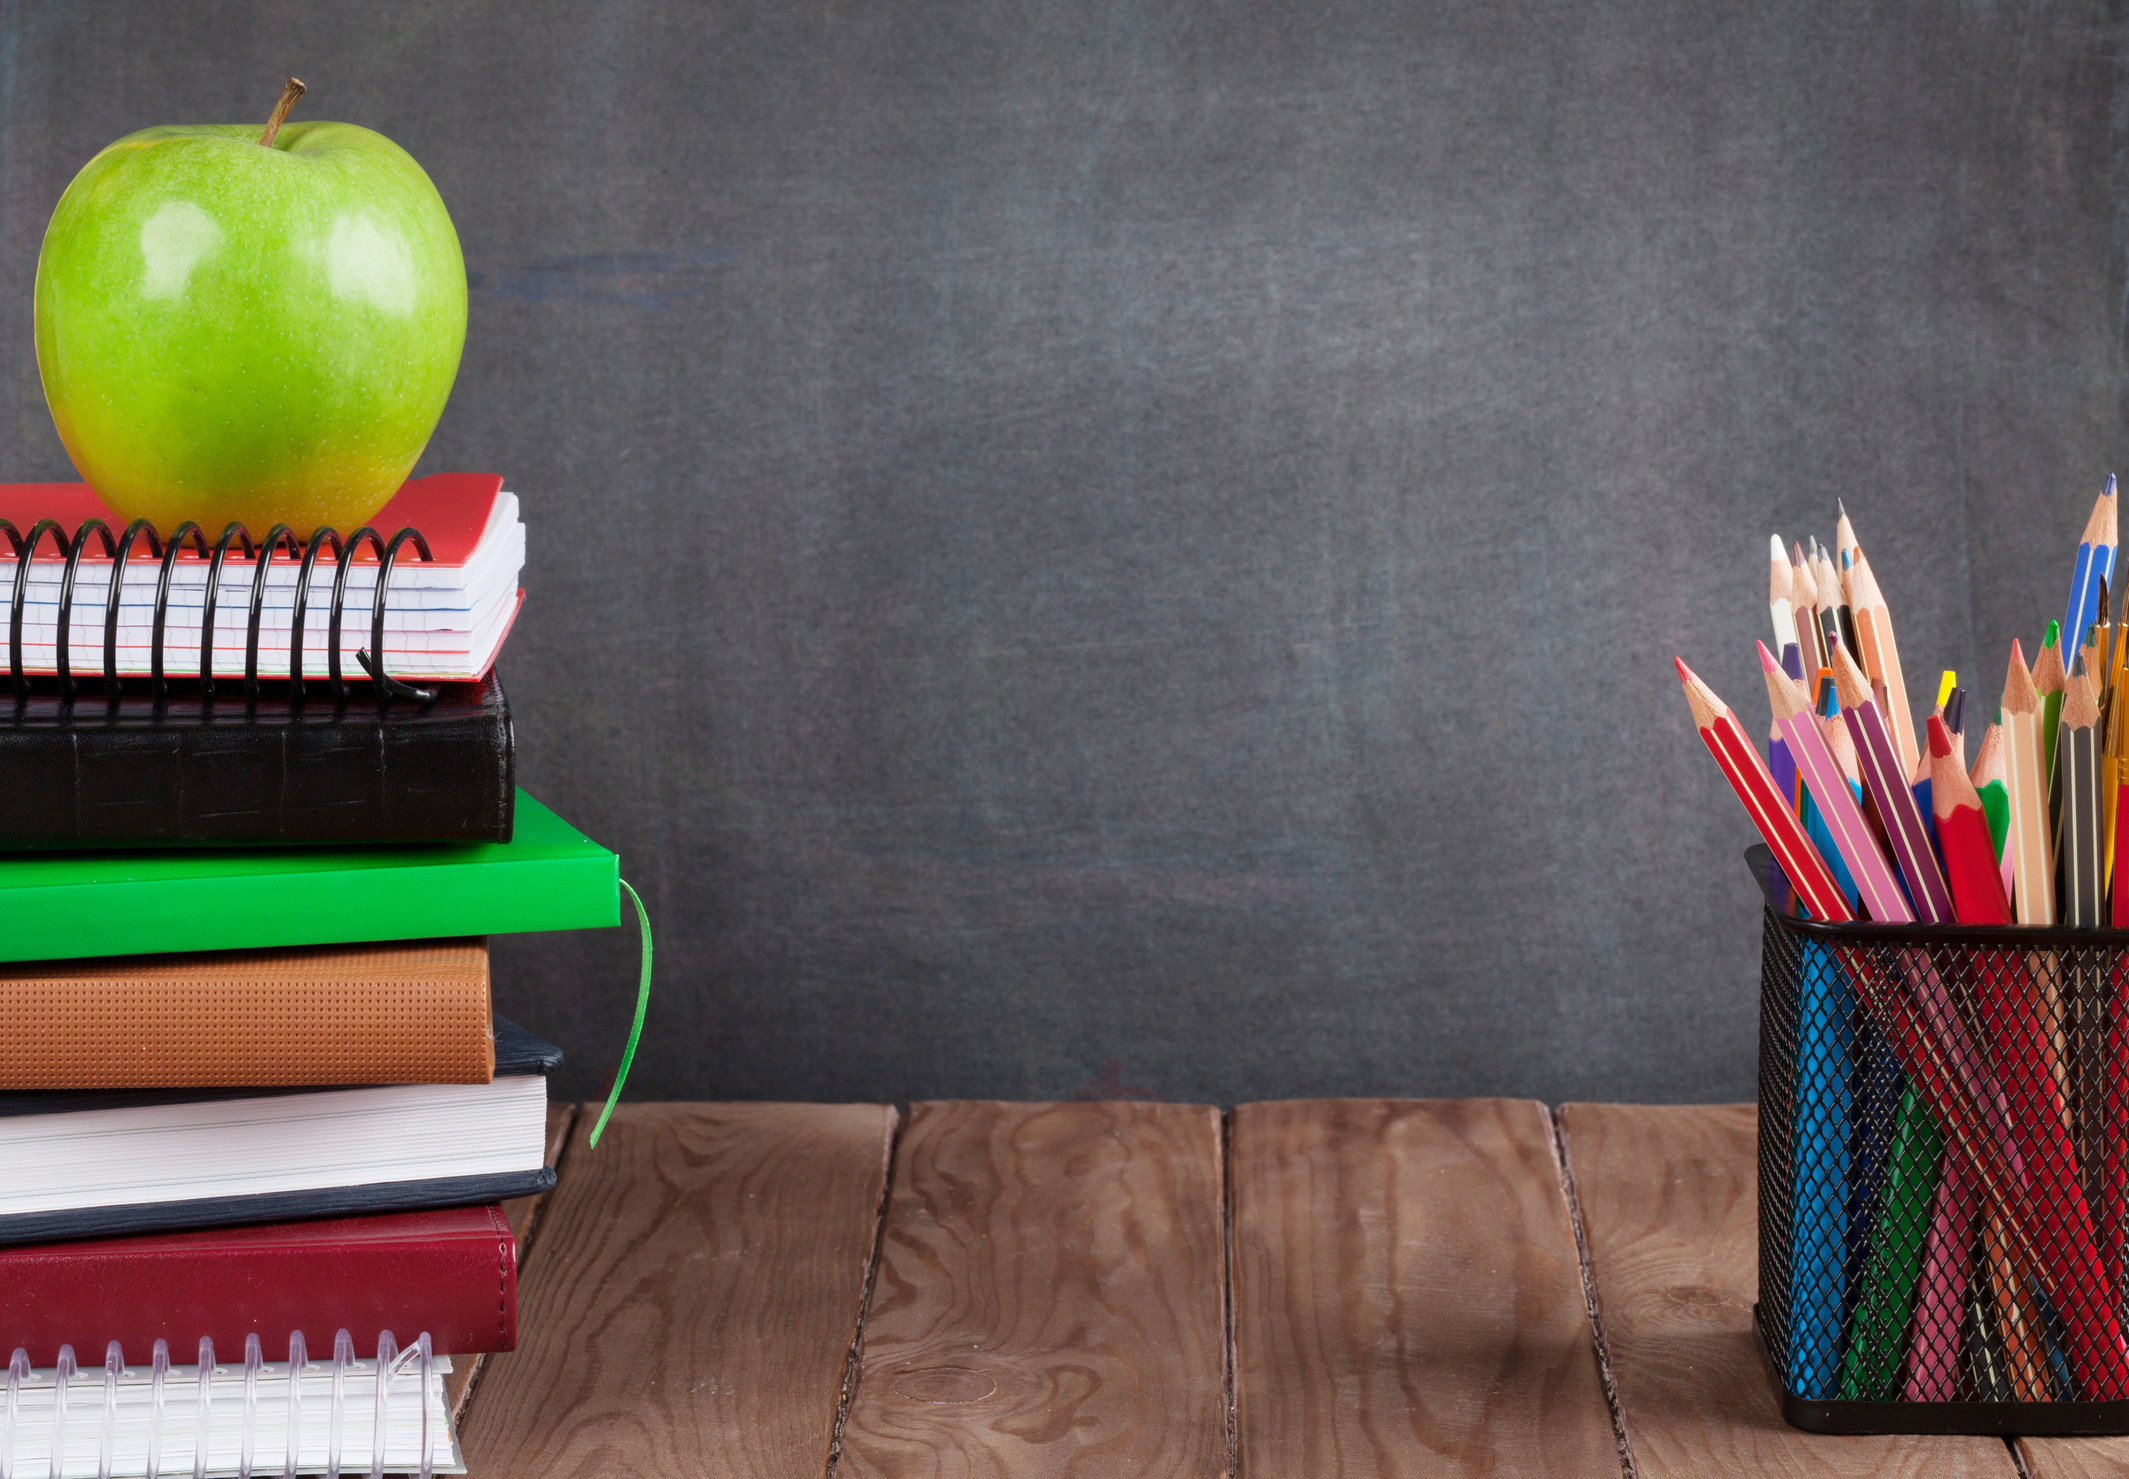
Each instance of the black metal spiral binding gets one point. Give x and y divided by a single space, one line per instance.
120 550
162 597
274 536
110 602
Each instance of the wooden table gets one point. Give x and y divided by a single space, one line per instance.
1315 1288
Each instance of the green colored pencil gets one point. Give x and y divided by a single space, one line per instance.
2048 675
1870 1371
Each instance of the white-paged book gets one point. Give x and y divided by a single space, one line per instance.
248 1417
445 618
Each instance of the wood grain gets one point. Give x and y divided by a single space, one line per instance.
1669 1202
523 1215
2075 1458
694 1297
1407 1295
1049 1297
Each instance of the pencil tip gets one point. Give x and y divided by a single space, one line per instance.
1940 736
1776 550
1766 658
1842 507
1685 674
2108 491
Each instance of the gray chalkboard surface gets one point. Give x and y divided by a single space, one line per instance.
1135 548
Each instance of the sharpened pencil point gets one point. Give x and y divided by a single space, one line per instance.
1766 659
1685 674
1940 738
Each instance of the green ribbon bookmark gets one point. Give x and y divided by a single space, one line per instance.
635 1031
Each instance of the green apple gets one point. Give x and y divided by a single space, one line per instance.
264 328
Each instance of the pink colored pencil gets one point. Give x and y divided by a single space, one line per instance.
1940 1304
1823 777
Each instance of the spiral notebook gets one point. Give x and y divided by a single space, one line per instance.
445 617
219 1417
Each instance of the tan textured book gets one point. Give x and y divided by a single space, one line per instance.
406 1012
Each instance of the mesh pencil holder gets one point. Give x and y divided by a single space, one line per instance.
1943 1174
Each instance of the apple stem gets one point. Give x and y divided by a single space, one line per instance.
290 91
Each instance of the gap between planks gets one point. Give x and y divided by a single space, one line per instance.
854 1362
1562 1157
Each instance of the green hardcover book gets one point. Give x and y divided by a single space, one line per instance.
62 906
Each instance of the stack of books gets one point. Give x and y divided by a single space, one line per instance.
257 1116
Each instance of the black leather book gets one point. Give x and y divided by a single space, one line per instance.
193 770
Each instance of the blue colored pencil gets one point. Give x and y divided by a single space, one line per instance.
1819 1176
2095 563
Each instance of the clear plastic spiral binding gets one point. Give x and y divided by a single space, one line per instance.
299 1416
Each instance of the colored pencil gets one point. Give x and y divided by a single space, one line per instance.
1941 1302
2115 707
2078 840
2114 1189
1886 1299
2048 675
1826 582
1781 593
2094 562
1985 1376
1905 830
1803 595
1963 829
2017 1321
1992 786
1844 610
1748 778
1781 765
1843 540
1822 776
1918 776
1881 656
1819 1174
2078 848
2025 771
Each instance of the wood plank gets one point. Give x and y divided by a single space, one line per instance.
1669 1199
523 1215
1407 1296
694 1298
2075 1458
1049 1297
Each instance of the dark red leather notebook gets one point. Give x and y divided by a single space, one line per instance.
451 1272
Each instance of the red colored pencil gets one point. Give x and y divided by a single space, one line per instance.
1747 774
1963 833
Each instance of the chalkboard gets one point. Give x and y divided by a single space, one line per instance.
1136 548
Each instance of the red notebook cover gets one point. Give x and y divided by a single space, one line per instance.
450 1271
450 509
